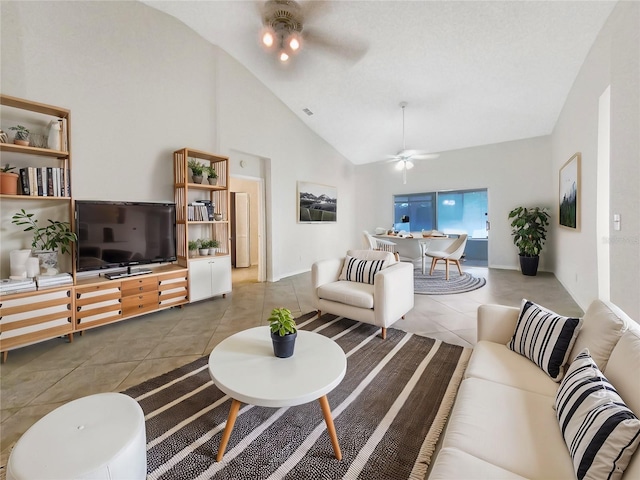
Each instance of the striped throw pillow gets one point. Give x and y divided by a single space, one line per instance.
363 271
545 338
598 428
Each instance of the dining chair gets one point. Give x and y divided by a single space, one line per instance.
452 253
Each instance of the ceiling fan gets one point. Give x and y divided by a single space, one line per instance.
404 158
284 32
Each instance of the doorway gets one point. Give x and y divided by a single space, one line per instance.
248 218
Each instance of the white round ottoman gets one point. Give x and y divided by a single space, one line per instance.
96 437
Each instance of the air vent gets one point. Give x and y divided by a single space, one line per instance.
307 111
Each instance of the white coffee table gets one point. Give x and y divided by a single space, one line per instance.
244 367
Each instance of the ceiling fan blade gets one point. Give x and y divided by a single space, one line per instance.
424 156
348 48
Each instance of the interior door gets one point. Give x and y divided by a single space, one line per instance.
241 239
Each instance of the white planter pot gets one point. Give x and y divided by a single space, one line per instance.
48 261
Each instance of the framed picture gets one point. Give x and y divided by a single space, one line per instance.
569 197
317 203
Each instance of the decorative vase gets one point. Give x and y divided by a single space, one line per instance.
9 183
4 138
18 263
48 261
53 142
283 346
217 216
196 179
203 251
212 181
529 265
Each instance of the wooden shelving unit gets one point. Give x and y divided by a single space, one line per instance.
208 275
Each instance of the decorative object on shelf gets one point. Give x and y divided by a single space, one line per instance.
197 169
569 195
8 180
18 263
317 203
529 231
193 248
212 176
283 332
22 135
53 141
47 240
217 217
38 140
4 138
33 266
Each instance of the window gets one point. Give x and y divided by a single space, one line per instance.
452 212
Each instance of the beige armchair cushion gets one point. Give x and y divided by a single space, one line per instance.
350 293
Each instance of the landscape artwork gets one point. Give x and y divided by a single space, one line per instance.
317 203
569 199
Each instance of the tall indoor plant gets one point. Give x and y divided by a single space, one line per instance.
529 231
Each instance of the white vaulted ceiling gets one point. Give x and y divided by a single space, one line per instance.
472 72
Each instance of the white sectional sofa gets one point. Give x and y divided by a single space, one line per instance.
503 424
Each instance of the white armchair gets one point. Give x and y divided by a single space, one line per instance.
382 303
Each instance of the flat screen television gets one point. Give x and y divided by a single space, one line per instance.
123 234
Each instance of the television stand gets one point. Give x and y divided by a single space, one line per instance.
129 272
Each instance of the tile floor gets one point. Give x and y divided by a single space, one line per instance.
39 378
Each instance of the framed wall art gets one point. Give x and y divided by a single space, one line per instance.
569 197
317 203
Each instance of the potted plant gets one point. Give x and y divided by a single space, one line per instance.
202 250
196 170
283 332
8 180
212 176
529 231
193 248
22 135
213 246
205 245
47 240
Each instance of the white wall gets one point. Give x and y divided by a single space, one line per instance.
515 173
140 85
613 60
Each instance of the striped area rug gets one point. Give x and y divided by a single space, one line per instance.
388 411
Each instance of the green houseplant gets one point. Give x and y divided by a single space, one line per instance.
196 169
213 246
193 248
529 231
212 175
283 332
47 240
22 135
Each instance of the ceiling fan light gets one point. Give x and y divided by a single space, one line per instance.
283 56
294 42
267 37
400 165
409 164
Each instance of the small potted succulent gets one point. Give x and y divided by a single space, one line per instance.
193 248
196 170
283 332
22 135
8 180
212 175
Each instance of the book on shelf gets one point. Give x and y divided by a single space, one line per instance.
8 286
24 181
45 181
49 171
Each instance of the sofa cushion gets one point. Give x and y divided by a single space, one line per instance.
511 428
364 271
603 325
624 366
350 293
453 463
544 337
600 431
495 362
